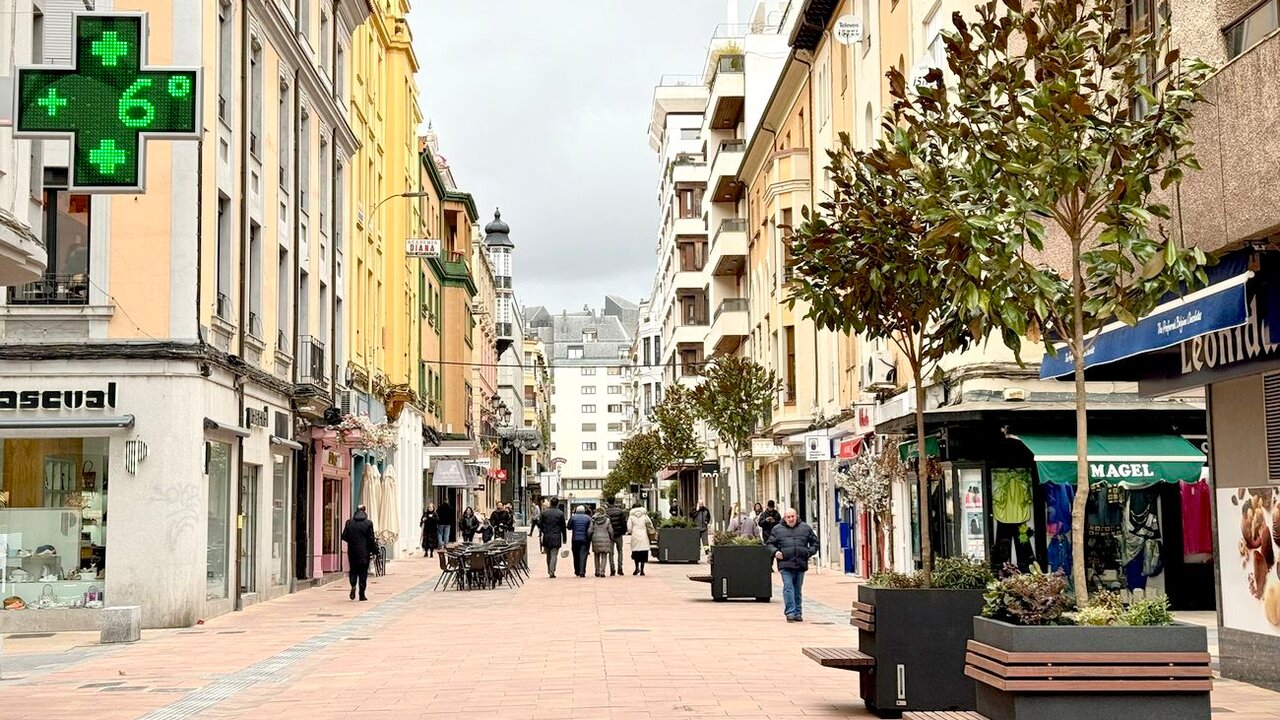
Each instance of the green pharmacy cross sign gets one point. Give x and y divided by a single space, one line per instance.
108 102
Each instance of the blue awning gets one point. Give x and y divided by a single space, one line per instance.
1217 307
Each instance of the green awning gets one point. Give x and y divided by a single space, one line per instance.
1130 460
908 450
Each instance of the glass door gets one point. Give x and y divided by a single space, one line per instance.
332 534
279 521
247 526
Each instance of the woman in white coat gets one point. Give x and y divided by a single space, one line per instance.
639 524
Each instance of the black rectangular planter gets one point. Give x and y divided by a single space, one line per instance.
741 571
1103 672
679 545
919 647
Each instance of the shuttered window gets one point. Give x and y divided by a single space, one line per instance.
1271 404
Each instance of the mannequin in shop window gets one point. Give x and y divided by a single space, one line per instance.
1011 510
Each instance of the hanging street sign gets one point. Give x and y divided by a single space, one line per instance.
108 102
422 247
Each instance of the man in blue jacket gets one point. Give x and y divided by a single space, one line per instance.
792 544
580 532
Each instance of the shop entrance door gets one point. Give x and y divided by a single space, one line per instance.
332 536
247 527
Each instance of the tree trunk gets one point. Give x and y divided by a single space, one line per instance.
1081 504
922 478
888 530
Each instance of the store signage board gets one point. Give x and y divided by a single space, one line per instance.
763 447
848 30
59 399
108 102
817 447
422 248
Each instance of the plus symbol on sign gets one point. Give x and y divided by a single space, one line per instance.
108 102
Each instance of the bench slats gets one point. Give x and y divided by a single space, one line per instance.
1099 658
943 715
845 658
700 578
1088 686
1088 671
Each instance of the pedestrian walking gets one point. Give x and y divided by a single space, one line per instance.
552 527
639 524
768 520
501 521
361 544
618 518
469 524
702 520
756 512
792 544
601 540
486 528
580 539
447 522
430 524
741 524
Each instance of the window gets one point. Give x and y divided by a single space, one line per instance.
588 446
689 133
302 13
866 25
254 262
225 88
648 355
284 302
935 48
255 99
588 336
283 134
613 464
615 446
588 464
789 333
304 161
589 390
615 370
624 353
339 75
279 520
326 44
218 475
575 353
615 427
223 300
66 243
615 389
326 163
588 409
588 427
615 408
587 370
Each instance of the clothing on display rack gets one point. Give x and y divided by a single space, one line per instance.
1197 522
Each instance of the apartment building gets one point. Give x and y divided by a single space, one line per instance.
646 367
589 353
191 333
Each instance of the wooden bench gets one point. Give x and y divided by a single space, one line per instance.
943 715
842 658
1118 672
700 578
863 616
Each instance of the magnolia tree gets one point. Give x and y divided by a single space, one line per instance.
379 437
734 398
868 483
1071 120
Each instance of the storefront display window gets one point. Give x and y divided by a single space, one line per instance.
1011 513
218 473
53 514
973 533
247 525
279 520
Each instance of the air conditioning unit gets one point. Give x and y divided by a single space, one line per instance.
347 401
880 371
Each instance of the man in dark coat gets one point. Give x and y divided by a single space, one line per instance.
792 544
618 519
768 520
702 520
447 521
502 521
551 524
358 535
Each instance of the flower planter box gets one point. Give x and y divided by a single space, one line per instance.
741 571
679 545
918 640
1067 673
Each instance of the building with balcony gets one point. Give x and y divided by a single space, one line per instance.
589 353
183 343
22 253
646 367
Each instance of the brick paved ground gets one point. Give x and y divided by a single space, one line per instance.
627 647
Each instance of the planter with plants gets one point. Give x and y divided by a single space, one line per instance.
740 568
1032 656
679 541
917 636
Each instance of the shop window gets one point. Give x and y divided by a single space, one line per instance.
66 240
218 475
280 522
53 511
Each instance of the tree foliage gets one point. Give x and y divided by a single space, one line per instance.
676 417
1071 121
642 456
734 398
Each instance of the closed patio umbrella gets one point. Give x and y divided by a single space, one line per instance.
370 486
388 522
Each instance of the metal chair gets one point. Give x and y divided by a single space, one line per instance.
450 569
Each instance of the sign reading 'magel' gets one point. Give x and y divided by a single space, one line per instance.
59 399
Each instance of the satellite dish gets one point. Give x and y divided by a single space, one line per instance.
849 30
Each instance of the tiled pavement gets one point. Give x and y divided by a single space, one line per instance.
627 647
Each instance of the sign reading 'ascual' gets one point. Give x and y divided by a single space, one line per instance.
59 399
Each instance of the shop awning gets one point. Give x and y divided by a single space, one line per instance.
1131 460
69 423
213 425
1217 307
283 442
908 450
452 473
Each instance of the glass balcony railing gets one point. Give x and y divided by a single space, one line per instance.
731 305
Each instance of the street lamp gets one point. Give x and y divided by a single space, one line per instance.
383 201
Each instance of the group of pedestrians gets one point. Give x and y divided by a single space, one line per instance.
438 525
602 533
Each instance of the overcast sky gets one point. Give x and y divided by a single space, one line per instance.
542 109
